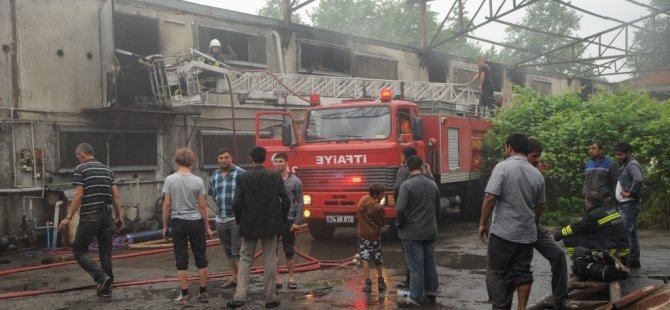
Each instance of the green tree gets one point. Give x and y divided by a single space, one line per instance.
272 9
551 17
387 20
566 125
660 40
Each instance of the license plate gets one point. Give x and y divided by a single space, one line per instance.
339 219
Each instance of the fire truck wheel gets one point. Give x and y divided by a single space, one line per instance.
320 230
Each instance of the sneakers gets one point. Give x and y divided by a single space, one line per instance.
182 299
203 298
368 286
408 302
381 283
104 288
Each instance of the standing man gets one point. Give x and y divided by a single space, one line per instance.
418 200
294 188
515 197
629 195
95 190
400 177
546 245
184 202
601 173
261 208
222 185
403 171
485 85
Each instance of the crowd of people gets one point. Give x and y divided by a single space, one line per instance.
266 206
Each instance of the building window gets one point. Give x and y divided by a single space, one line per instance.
237 48
121 150
375 67
211 141
324 58
544 87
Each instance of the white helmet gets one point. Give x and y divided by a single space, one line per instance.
214 42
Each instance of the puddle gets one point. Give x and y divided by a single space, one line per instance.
461 261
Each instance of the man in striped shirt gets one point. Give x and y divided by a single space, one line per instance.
222 185
95 190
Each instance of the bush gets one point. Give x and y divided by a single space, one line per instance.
566 125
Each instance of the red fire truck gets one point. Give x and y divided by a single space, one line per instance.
346 146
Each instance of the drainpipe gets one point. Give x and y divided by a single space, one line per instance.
16 90
280 55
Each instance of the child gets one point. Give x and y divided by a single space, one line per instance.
371 219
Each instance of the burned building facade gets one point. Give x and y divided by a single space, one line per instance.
63 81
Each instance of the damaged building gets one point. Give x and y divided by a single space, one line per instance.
71 74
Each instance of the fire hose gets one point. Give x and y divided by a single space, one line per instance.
310 265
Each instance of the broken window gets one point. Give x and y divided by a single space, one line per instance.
139 35
438 67
518 78
544 87
121 150
324 58
375 67
238 48
211 141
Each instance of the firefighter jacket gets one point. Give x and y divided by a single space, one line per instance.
601 228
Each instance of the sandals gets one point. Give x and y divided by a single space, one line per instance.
292 286
229 284
279 285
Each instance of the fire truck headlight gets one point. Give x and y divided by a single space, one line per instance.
306 213
307 199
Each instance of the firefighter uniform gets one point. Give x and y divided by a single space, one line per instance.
601 228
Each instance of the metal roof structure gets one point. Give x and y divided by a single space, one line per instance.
615 45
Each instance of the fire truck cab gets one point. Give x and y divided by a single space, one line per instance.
342 148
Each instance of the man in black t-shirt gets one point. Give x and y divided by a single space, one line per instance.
485 85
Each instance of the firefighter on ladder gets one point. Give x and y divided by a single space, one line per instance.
210 80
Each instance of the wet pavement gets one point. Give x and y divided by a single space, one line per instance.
460 258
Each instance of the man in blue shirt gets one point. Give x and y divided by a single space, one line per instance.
222 185
601 173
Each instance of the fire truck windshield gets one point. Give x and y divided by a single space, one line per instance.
341 124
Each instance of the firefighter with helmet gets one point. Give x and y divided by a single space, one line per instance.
209 79
215 52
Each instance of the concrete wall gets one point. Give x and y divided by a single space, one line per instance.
5 57
66 83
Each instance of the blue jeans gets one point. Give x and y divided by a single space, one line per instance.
98 225
629 211
420 260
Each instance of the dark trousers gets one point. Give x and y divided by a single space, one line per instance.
98 225
486 99
546 245
420 260
507 266
193 231
287 240
629 212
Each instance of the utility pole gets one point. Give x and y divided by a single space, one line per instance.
422 21
286 12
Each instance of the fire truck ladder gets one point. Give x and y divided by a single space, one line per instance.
450 98
175 81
